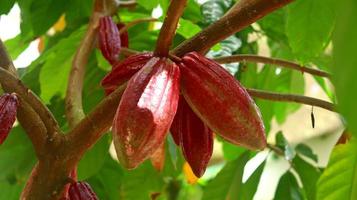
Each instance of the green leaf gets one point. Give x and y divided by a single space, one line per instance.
57 64
339 180
231 151
93 159
288 188
309 26
187 29
106 183
345 62
284 145
6 6
44 13
228 182
305 150
141 182
15 46
212 10
149 5
308 174
251 185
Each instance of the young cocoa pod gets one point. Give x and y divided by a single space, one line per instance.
196 139
109 39
73 176
124 36
158 158
221 102
123 71
81 191
146 111
8 108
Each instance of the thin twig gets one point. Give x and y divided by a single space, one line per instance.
128 4
292 98
168 29
135 22
43 112
272 61
241 15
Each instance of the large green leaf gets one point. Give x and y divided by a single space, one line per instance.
228 182
15 46
308 174
309 26
339 180
288 188
6 5
345 62
249 188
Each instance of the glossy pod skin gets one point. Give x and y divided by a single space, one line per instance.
195 138
146 111
221 102
8 109
124 37
109 39
81 191
123 71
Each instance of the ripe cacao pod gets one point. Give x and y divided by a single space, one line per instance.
221 102
109 39
124 36
81 191
146 111
8 108
123 71
196 139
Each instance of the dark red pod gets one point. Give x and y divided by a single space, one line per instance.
221 102
196 139
123 71
124 36
146 111
8 109
81 191
109 39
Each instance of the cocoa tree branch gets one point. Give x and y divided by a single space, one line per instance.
241 15
93 126
272 61
135 22
292 98
16 85
168 29
128 4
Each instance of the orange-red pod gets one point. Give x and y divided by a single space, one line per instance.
196 139
8 108
124 36
221 102
123 71
158 158
81 191
109 39
146 111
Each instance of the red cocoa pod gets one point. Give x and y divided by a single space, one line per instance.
146 111
109 39
158 158
81 191
196 138
73 176
8 108
123 71
124 36
221 102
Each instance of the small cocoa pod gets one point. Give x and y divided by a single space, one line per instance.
8 109
196 139
123 71
146 111
221 102
109 39
124 36
81 191
158 158
73 176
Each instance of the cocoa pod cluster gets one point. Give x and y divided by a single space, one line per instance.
8 109
192 98
81 191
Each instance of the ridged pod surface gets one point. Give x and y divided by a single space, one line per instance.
81 191
124 37
123 71
146 111
221 102
109 39
8 109
196 139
